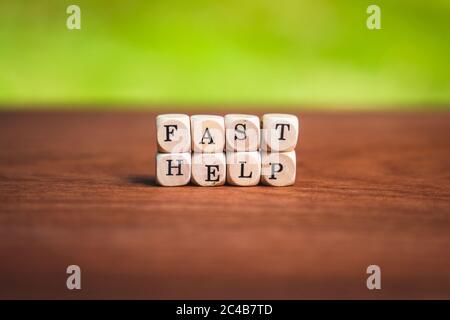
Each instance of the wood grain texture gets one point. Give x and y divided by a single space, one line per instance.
78 188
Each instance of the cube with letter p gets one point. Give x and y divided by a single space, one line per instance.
278 169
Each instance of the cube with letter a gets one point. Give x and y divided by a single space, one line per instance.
208 133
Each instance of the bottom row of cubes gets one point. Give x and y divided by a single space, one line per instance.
235 168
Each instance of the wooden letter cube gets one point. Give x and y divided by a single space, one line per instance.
173 169
242 132
278 169
208 133
280 132
208 169
173 133
243 168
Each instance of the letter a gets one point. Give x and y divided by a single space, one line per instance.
207 135
74 280
74 20
374 20
374 280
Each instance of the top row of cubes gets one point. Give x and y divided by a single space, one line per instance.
234 132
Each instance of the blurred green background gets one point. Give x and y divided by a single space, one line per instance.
313 54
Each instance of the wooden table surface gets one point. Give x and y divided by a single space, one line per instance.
79 188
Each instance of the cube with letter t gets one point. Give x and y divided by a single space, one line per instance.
280 132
